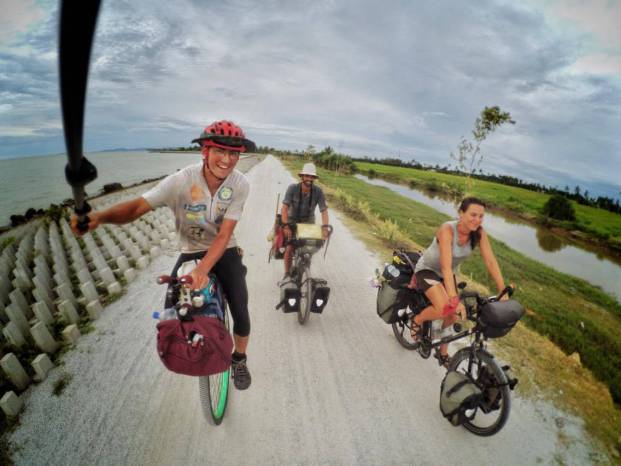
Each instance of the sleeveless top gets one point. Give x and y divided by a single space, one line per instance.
430 260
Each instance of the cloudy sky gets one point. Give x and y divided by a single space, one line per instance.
392 78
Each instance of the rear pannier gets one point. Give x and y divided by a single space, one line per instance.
391 297
458 395
498 318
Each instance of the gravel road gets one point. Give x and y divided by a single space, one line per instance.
338 390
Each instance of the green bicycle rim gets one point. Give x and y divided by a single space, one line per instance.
224 389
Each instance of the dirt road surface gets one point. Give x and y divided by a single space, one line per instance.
338 390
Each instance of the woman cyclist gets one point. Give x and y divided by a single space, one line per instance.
435 270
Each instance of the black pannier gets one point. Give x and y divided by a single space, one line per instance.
402 259
498 318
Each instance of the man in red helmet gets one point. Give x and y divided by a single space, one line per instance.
207 199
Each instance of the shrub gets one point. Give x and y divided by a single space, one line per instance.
559 207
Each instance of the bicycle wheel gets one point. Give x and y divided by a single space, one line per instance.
214 389
306 291
493 411
402 331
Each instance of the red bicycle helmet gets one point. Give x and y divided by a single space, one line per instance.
225 135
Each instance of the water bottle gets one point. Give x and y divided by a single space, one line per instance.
436 330
166 314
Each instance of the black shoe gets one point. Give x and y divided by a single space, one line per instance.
241 374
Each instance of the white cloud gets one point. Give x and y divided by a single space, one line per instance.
18 16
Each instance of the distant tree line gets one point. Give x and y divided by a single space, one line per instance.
578 195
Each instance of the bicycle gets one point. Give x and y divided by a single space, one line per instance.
492 318
305 294
213 389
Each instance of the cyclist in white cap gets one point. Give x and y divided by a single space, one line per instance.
299 206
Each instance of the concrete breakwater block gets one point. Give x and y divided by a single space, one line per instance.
43 338
71 333
65 294
114 288
142 262
15 371
11 404
16 316
129 274
43 313
122 263
13 335
68 312
89 291
42 365
94 309
155 251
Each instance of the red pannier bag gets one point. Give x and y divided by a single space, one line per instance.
198 347
278 243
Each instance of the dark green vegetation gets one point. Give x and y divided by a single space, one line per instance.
61 384
559 208
575 315
594 225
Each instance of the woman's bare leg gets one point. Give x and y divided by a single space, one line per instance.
439 299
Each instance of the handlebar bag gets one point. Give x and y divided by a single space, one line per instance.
498 318
210 355
458 393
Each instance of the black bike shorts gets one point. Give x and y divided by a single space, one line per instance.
425 279
231 274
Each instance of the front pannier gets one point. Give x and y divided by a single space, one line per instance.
458 394
498 318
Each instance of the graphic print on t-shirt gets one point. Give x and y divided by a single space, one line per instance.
195 212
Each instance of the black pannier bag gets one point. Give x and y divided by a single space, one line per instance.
458 394
400 260
391 297
496 319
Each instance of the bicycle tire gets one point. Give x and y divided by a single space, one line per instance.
502 393
424 345
403 335
214 389
306 290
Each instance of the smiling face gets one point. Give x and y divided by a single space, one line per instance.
307 179
220 162
472 217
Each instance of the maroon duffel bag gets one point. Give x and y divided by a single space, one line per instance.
202 346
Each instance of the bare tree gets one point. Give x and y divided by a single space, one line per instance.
469 157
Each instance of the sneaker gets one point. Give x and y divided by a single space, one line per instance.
241 374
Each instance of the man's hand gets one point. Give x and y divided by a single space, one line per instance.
326 231
93 223
199 279
287 231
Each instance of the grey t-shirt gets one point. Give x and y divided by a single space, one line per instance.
302 205
198 214
430 260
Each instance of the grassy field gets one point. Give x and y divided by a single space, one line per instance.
604 225
569 312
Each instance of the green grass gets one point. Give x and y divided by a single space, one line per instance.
575 315
600 223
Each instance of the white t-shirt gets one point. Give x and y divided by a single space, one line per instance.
199 215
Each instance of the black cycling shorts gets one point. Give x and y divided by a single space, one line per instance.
425 279
231 274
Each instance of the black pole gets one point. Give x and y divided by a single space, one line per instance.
77 28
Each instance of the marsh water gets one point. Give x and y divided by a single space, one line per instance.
537 243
